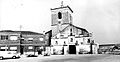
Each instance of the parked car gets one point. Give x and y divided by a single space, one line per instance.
31 55
9 54
82 51
115 52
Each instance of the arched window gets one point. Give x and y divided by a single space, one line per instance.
71 32
59 15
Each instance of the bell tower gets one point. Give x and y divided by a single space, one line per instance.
61 17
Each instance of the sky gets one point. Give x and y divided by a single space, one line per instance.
100 17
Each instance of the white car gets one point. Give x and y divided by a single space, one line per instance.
9 54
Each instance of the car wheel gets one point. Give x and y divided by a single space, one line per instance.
1 58
14 57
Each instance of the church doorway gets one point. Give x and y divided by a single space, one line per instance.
72 49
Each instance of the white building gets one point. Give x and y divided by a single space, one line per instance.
67 38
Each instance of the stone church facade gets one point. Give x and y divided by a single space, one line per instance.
66 37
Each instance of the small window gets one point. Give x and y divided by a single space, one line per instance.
22 39
59 15
3 48
30 47
81 42
64 43
30 39
13 48
41 39
56 42
59 22
71 32
4 37
13 37
71 40
88 41
77 43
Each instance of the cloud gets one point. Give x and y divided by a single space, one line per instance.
102 17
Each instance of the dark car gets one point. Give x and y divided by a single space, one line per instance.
31 55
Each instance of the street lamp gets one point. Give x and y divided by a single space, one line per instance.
91 43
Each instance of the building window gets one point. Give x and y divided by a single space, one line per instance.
76 43
4 37
71 32
22 39
71 40
13 48
56 42
13 37
3 48
30 47
30 39
88 41
59 15
81 43
41 39
64 43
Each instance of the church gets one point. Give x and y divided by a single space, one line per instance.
66 37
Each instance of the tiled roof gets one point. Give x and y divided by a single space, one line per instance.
75 27
23 32
79 28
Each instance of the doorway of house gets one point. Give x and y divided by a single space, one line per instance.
72 49
21 49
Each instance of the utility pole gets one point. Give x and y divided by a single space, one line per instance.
91 43
21 48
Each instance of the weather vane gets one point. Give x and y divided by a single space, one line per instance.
61 3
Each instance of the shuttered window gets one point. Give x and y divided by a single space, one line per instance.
4 37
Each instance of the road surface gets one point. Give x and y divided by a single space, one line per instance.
68 58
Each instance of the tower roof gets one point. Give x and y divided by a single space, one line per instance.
63 7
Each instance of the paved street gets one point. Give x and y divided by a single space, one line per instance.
68 58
